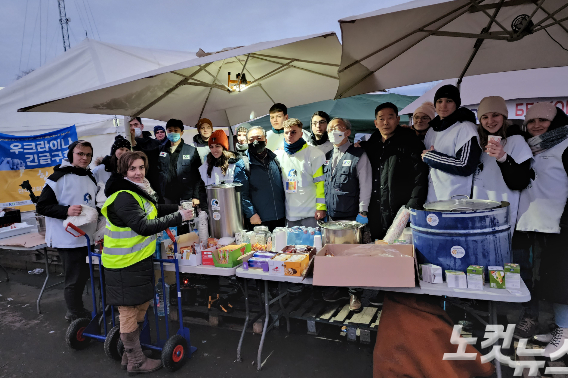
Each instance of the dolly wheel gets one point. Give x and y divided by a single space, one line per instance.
74 336
111 343
174 353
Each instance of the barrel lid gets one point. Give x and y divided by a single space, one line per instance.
461 204
224 186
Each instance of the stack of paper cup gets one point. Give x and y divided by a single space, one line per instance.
317 242
279 237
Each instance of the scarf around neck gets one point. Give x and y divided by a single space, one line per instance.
549 139
145 186
294 147
281 131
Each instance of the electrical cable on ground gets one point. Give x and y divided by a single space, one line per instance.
555 40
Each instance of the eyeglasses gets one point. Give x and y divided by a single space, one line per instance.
425 119
82 154
321 122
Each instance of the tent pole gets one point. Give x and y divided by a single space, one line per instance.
260 85
479 42
298 68
551 15
209 93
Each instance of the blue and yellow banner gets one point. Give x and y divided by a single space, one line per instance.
30 158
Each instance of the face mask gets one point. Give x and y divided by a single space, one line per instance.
336 136
137 132
174 137
257 147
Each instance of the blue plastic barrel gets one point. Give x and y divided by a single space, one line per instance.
456 240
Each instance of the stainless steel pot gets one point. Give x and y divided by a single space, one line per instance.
225 212
342 232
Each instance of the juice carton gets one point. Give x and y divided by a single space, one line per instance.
475 277
496 277
512 276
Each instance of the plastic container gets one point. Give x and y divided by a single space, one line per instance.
160 298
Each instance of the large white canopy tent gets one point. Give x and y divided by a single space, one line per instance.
292 71
520 89
89 64
428 40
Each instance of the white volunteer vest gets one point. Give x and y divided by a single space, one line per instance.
217 175
442 185
70 190
300 167
100 174
488 183
542 202
325 147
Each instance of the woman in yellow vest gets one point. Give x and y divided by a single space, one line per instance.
133 219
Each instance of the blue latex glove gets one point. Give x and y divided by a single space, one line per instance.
361 219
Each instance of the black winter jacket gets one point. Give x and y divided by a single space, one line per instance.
184 177
133 285
149 145
400 178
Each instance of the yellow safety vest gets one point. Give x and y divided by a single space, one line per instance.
122 246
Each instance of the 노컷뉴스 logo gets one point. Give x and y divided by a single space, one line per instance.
493 333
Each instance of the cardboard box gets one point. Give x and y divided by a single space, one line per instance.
227 257
207 256
189 257
431 273
475 277
512 276
341 269
167 249
496 277
456 279
296 268
276 267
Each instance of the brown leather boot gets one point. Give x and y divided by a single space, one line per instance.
124 362
137 362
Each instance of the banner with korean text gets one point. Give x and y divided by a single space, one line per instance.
30 158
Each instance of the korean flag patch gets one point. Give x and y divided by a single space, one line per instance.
163 154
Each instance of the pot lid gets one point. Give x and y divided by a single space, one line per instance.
341 225
461 204
224 186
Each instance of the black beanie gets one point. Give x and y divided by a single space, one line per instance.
119 142
448 91
174 123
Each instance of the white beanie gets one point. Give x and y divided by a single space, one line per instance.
544 110
492 104
426 108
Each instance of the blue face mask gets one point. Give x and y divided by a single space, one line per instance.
174 137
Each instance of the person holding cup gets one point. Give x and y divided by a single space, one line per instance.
134 217
504 169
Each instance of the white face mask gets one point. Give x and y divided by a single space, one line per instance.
336 136
137 132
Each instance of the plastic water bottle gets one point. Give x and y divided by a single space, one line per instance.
305 236
290 236
312 232
160 298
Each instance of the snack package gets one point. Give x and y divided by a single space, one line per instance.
456 279
431 273
496 277
512 276
398 225
475 277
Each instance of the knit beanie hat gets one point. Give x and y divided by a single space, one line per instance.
203 121
426 108
244 127
448 91
544 110
158 128
492 104
219 137
174 123
119 142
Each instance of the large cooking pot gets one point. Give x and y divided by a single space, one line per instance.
225 212
342 232
457 233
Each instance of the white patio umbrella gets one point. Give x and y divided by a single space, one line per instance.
428 40
292 71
